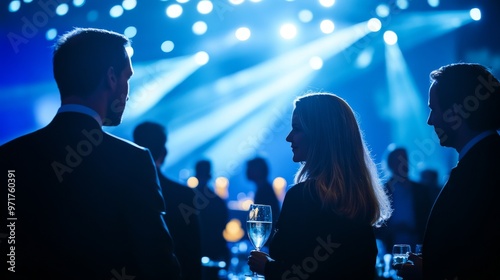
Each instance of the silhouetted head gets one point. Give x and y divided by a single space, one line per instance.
325 134
87 61
463 97
154 137
397 162
257 169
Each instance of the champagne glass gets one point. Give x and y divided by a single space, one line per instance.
400 254
259 225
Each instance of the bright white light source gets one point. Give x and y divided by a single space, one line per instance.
327 26
288 31
174 11
200 27
327 3
433 3
236 2
390 37
116 11
305 16
78 3
51 34
374 25
167 46
129 4
402 4
316 62
201 58
130 31
243 33
62 9
205 7
14 6
475 14
182 1
382 10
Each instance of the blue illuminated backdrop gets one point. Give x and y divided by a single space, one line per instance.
222 75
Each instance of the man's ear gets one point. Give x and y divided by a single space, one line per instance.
111 78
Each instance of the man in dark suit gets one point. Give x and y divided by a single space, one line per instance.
85 204
462 235
182 216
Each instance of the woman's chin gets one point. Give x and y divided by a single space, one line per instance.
296 159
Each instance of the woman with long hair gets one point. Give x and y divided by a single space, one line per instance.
325 229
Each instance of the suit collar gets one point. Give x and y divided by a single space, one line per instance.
77 108
484 142
474 141
72 120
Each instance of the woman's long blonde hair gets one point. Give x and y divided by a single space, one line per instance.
338 162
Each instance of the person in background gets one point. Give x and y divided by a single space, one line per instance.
214 216
182 217
257 171
411 202
87 203
461 239
325 229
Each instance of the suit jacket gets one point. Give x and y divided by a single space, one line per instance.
183 221
311 243
462 237
88 205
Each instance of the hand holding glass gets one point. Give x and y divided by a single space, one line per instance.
259 225
400 254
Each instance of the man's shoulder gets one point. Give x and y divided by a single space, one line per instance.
123 145
18 144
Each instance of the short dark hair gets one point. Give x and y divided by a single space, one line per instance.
259 163
83 55
202 167
472 86
395 158
152 136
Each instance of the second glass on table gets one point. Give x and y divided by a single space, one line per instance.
400 253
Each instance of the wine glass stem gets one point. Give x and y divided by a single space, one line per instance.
255 275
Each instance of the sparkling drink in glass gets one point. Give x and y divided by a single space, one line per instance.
259 225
